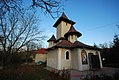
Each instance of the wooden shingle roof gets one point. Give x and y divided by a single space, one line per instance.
64 18
69 45
72 31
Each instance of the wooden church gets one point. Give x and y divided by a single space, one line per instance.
66 52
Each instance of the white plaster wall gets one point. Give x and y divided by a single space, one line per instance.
59 31
52 58
59 59
62 28
72 38
65 64
75 60
65 28
51 43
79 59
85 67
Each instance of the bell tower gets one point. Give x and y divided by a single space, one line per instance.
62 25
72 34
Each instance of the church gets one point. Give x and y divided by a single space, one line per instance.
66 52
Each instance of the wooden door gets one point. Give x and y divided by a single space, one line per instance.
95 61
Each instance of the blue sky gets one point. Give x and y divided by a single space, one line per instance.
95 19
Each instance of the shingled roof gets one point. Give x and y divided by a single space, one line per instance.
52 38
63 17
64 44
71 31
41 51
76 44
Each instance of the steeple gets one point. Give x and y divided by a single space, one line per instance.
64 18
72 34
52 38
62 25
51 41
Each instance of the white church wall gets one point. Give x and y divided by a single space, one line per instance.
62 28
65 63
79 59
52 58
59 31
65 27
75 60
85 67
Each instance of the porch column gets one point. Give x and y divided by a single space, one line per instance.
100 61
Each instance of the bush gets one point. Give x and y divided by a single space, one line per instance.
115 76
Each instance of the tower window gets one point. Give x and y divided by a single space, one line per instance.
71 36
66 23
96 53
67 55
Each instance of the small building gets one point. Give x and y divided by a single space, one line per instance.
66 52
40 55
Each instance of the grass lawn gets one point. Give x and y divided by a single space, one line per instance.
28 72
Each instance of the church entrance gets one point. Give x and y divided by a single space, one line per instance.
94 61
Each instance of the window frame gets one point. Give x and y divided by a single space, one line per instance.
69 55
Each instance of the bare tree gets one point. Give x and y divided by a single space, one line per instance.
18 27
47 6
17 31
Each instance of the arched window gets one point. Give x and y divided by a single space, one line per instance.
71 36
67 55
84 57
96 53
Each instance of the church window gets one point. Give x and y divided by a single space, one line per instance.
96 53
66 23
67 55
71 36
84 57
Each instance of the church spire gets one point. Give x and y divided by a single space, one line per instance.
64 16
52 38
51 41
